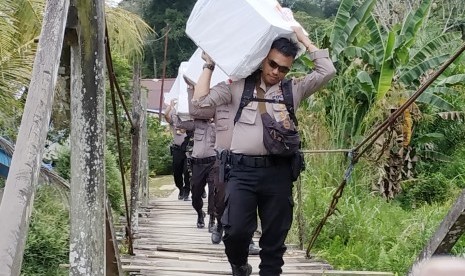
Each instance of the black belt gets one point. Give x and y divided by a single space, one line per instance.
256 161
205 160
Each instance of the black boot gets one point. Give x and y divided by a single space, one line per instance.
217 233
181 195
186 195
243 270
201 220
211 224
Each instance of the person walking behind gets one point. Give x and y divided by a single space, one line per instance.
178 152
221 166
202 159
258 179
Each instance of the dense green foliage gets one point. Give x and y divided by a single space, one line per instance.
48 236
162 16
159 140
123 72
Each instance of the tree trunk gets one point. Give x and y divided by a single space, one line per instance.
87 233
135 152
16 207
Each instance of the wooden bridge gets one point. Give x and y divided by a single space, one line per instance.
166 241
169 243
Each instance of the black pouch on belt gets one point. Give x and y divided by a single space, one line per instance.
279 140
223 156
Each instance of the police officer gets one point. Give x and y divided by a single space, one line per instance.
202 159
178 152
257 179
220 168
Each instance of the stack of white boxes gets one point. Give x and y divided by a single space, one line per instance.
237 34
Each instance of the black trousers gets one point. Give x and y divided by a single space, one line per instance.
180 172
268 189
202 173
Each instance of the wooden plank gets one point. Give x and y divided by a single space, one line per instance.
286 273
449 231
15 210
112 258
208 270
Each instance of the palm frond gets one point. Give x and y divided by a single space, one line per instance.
127 32
29 14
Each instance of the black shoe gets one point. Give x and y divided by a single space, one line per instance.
253 249
201 220
186 196
180 195
217 234
244 270
204 195
211 224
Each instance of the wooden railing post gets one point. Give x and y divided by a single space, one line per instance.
87 232
144 170
18 198
135 150
448 232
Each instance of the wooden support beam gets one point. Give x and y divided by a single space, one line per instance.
87 233
144 170
136 149
449 231
16 207
112 262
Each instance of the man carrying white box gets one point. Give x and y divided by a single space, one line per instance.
262 171
257 111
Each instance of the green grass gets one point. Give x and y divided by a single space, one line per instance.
158 186
367 232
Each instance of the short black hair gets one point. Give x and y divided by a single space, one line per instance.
285 46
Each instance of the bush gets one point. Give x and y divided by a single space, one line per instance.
159 140
434 188
48 235
455 170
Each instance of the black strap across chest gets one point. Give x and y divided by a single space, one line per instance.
247 97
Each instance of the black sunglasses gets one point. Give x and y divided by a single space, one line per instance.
282 69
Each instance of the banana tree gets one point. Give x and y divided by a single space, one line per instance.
388 67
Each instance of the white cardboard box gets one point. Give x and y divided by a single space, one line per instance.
237 34
194 69
189 71
179 92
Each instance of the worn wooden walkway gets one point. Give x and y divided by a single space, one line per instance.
169 244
